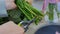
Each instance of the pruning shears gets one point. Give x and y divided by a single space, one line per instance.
27 23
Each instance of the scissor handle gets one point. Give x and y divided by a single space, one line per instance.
27 23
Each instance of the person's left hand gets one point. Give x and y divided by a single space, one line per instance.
10 4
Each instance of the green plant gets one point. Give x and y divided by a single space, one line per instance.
24 12
29 11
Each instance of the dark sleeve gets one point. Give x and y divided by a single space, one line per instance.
3 12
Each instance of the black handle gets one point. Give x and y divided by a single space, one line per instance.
27 23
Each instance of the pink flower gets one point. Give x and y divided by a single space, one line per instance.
46 2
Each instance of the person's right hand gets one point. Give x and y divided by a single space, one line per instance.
11 28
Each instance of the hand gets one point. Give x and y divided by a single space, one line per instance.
30 1
10 4
57 32
11 28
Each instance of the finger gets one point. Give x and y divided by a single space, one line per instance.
57 32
